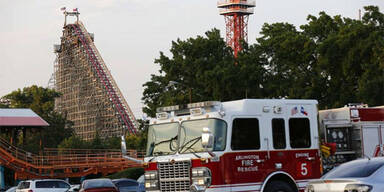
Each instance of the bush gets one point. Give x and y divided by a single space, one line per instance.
131 173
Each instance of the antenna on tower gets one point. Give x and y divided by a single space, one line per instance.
236 13
359 14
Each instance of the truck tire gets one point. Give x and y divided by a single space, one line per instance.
278 186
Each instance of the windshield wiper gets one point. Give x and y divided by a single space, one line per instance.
166 141
193 141
153 144
193 152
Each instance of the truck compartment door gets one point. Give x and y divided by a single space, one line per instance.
371 138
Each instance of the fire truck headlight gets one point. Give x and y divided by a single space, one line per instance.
201 176
151 182
201 181
150 175
151 185
201 172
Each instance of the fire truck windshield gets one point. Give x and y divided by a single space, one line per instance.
163 139
190 135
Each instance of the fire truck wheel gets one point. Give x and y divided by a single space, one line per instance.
278 186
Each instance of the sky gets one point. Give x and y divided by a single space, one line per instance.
129 34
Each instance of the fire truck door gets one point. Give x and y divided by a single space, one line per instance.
372 139
246 162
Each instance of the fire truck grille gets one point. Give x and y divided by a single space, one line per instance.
168 186
174 176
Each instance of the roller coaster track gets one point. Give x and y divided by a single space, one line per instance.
56 163
105 77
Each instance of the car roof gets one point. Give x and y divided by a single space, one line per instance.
95 180
98 179
366 160
357 163
34 180
123 179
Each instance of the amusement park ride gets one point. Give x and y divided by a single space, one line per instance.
90 96
91 99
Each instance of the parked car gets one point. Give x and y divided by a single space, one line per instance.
362 175
127 185
98 185
12 189
43 185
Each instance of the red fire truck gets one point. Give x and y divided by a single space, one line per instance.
267 145
356 129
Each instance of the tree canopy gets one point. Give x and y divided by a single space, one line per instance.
335 60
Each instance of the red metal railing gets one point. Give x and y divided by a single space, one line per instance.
29 165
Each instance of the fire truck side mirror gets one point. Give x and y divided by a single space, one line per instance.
207 138
123 146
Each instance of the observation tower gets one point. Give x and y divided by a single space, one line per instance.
236 13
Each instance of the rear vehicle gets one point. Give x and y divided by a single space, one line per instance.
357 131
98 185
127 185
266 145
44 185
362 175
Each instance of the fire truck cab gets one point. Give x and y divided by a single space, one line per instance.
265 145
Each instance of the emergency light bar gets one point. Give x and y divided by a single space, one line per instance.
168 108
195 109
189 106
203 104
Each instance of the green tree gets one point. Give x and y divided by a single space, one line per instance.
348 57
371 82
195 63
40 100
335 60
131 173
202 68
290 60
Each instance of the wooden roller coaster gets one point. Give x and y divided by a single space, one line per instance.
68 163
92 101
